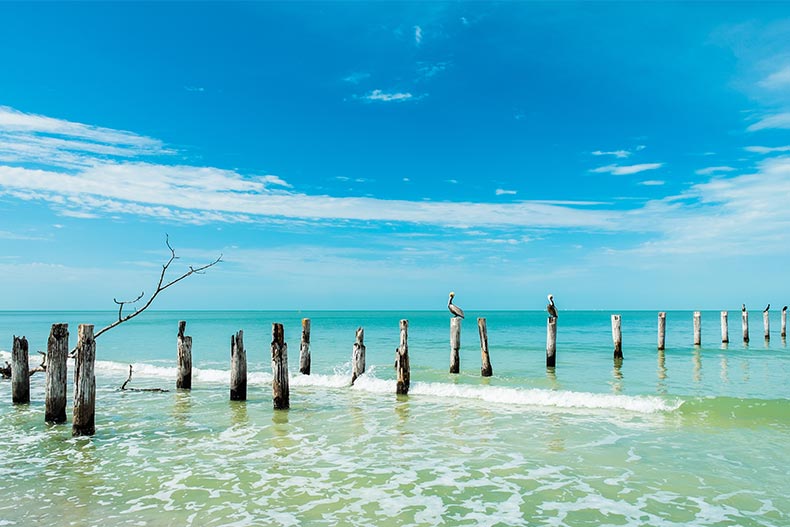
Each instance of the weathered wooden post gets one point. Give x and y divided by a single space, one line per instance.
402 360
551 342
304 348
238 368
184 351
57 372
745 324
455 345
697 328
767 324
358 355
617 337
662 329
784 322
20 371
281 394
84 383
725 330
485 368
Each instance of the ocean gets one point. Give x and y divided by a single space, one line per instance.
696 435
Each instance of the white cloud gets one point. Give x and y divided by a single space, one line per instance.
382 96
652 183
767 149
503 192
712 170
198 89
274 180
426 70
624 170
616 153
778 120
778 79
356 77
417 35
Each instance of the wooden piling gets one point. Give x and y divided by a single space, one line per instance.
745 325
57 373
725 330
84 383
304 348
281 394
784 322
697 328
402 360
485 368
617 337
662 329
358 355
767 325
184 357
20 371
551 342
455 345
238 368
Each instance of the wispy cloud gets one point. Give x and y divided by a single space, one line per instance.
426 70
778 79
652 183
198 89
356 77
382 96
503 192
713 170
620 154
767 149
624 170
417 35
778 120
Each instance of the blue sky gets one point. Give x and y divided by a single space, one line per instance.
378 155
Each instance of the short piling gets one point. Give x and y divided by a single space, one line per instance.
784 322
83 423
697 328
485 368
358 355
455 345
57 373
184 358
281 394
20 371
551 342
662 330
767 325
402 360
725 331
617 337
304 348
238 368
745 325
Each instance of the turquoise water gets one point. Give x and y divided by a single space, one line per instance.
692 436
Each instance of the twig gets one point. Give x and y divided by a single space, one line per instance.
124 388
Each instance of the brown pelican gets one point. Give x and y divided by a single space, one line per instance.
743 308
767 308
551 308
455 310
784 308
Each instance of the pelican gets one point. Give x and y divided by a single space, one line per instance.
551 308
455 310
743 308
767 308
784 308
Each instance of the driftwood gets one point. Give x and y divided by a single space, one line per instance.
5 371
184 357
57 373
358 355
84 383
123 387
304 348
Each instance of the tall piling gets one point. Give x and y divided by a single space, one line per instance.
304 348
551 342
402 360
184 358
281 394
485 358
725 331
745 324
358 355
20 371
455 345
697 328
56 373
83 423
662 329
784 322
238 368
767 325
617 337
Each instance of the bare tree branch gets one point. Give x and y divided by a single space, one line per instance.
160 286
128 380
5 371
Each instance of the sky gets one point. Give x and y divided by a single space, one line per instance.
377 155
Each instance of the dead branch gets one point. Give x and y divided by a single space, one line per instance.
161 286
5 371
128 380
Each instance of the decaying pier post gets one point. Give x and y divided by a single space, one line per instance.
784 322
57 373
455 345
84 383
725 331
20 371
662 329
402 360
184 352
551 342
358 355
485 367
281 394
304 348
617 337
238 368
767 324
697 328
745 324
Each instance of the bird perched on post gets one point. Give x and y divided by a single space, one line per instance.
455 310
767 308
743 308
551 308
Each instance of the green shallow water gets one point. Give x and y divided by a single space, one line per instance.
698 437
